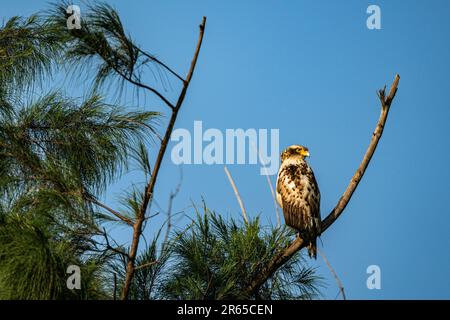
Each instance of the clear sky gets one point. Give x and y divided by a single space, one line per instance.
311 70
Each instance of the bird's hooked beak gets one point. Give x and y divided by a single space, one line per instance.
304 153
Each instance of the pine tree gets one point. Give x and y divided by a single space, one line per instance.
59 155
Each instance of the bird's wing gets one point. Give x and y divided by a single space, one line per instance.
314 199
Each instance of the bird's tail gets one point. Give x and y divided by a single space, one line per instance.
312 249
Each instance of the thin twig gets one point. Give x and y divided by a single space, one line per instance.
114 212
338 281
145 265
236 193
169 210
298 243
108 245
272 191
144 86
152 58
115 287
135 82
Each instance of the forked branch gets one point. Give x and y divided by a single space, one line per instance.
298 243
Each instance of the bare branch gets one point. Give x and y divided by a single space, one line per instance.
338 281
298 243
169 211
343 201
272 191
115 287
108 246
145 265
152 58
144 86
114 212
148 194
236 192
275 203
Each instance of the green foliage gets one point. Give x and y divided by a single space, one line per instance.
34 262
216 259
27 49
55 155
58 154
103 45
150 271
90 141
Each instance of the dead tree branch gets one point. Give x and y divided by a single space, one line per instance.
114 212
115 287
236 193
338 281
298 243
153 58
169 212
272 191
145 265
148 194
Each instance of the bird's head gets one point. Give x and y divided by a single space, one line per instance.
294 151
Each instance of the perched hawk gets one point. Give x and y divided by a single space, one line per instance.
299 195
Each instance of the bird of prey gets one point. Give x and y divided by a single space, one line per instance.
299 195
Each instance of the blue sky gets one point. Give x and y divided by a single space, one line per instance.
311 70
